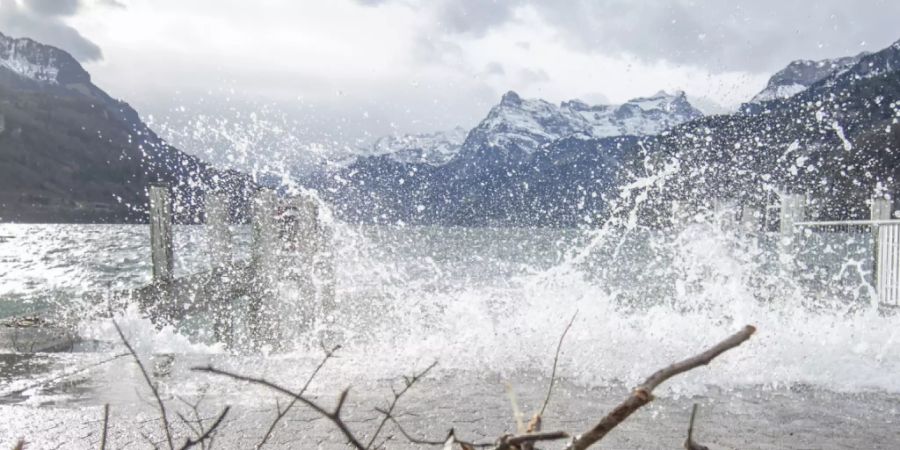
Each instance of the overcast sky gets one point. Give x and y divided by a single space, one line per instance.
359 68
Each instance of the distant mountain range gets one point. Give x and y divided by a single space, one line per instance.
518 127
71 153
828 128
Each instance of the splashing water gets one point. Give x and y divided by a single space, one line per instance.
496 299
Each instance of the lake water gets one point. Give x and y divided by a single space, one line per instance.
823 371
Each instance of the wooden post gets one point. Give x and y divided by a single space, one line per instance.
263 263
880 209
792 211
750 218
161 234
219 290
218 233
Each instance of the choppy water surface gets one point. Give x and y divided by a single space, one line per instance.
489 304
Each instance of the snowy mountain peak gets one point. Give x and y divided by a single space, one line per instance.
41 63
526 124
510 98
800 74
435 148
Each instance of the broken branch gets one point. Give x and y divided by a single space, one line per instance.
282 412
334 417
188 443
408 383
643 394
555 361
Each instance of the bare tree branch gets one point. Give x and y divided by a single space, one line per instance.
689 443
555 361
105 426
410 438
282 412
188 443
159 402
422 441
333 416
510 442
196 425
643 394
408 383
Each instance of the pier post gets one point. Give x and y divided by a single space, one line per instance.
218 289
218 234
263 262
792 211
880 209
161 252
750 218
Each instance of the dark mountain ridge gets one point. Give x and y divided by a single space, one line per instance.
71 153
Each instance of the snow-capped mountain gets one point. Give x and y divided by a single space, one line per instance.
530 123
516 128
521 126
70 152
434 149
801 74
38 62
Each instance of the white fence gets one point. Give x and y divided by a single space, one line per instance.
886 234
887 262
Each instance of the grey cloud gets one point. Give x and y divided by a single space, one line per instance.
53 7
530 76
741 35
436 49
474 16
111 3
41 20
494 68
371 2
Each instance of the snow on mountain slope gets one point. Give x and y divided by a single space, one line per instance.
529 123
41 63
428 148
799 75
526 124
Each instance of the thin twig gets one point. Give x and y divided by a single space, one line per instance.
555 361
198 419
514 405
188 443
510 442
408 383
689 443
281 413
105 426
333 416
410 438
159 402
643 394
422 441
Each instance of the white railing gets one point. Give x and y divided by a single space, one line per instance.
886 235
887 262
